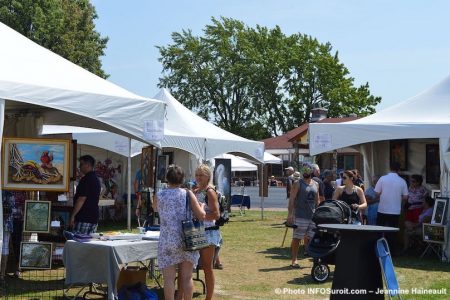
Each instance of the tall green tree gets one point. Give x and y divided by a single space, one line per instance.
65 27
258 82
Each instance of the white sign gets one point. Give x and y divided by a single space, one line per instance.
154 130
55 224
322 140
62 198
259 153
121 147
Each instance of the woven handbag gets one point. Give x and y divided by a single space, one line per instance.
193 230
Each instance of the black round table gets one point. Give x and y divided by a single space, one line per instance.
357 273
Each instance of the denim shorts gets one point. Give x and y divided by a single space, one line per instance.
213 237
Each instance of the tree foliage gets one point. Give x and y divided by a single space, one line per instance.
65 27
258 82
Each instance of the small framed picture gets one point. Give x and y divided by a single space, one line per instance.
37 216
440 210
435 193
433 233
35 255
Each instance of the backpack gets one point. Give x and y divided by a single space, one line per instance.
223 208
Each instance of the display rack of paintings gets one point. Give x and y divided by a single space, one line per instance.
36 164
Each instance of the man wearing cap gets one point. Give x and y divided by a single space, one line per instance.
303 200
289 181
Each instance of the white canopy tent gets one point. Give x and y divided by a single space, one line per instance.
185 130
49 89
423 116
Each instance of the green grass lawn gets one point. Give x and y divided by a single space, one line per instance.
257 267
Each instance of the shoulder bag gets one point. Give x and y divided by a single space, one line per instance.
193 230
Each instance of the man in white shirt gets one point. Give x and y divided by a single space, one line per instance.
392 190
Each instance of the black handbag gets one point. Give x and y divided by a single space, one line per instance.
194 236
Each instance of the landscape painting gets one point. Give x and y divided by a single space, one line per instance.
36 164
35 255
37 216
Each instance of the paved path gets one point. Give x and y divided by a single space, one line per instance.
276 200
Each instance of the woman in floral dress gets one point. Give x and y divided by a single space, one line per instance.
171 205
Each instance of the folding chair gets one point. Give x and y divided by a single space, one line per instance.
387 268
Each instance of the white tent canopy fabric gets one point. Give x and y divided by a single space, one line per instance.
32 76
271 159
423 116
237 163
185 130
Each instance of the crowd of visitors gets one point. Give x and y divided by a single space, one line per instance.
381 203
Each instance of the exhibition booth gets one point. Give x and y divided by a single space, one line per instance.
415 133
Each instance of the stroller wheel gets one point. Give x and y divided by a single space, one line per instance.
320 272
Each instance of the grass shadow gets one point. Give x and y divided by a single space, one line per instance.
276 253
428 263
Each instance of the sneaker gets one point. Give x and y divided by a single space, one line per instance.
68 235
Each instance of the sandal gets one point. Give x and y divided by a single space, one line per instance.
295 266
218 266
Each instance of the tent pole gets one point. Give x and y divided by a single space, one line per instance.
129 185
2 120
262 194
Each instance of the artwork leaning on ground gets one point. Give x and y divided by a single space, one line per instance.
35 255
35 164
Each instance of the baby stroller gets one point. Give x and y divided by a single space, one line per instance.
324 243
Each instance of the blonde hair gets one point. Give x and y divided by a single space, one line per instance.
204 169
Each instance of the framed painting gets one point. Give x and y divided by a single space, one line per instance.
163 164
435 193
399 153
36 164
148 166
439 210
35 255
434 233
432 163
37 216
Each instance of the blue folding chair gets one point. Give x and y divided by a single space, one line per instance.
387 268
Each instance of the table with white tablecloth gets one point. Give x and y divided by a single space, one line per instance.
100 261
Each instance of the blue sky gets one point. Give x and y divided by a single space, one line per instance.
400 47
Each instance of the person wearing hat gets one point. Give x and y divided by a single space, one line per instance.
303 200
296 176
289 181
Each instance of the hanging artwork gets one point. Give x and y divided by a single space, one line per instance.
399 153
36 164
37 216
432 163
148 166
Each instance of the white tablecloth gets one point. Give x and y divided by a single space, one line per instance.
100 261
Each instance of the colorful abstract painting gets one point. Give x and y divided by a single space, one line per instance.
35 164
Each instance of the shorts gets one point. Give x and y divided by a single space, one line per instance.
213 237
85 228
304 227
